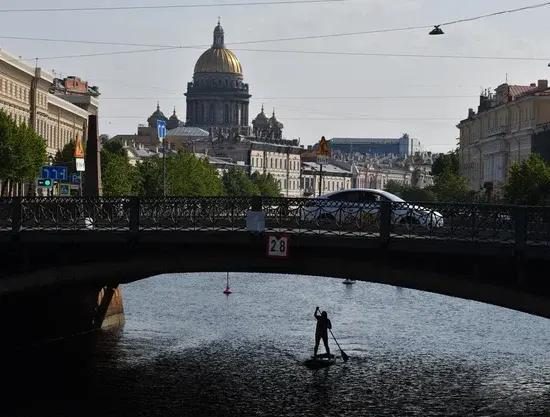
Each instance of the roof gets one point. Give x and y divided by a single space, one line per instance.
188 131
326 168
518 90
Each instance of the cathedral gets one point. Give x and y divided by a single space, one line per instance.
218 97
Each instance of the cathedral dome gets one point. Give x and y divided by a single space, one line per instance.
218 59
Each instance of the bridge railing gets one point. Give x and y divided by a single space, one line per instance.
382 220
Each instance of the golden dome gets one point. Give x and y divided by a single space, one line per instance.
218 60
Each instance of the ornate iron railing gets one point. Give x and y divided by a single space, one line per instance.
501 224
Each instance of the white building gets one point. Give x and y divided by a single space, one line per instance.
316 181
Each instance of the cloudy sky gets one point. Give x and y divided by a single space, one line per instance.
376 96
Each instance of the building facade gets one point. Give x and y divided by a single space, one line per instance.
316 181
403 146
218 97
510 124
29 95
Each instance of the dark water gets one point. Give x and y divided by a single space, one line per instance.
187 350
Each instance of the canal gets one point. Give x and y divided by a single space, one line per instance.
188 350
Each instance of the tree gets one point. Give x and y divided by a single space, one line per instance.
446 162
529 182
119 177
267 185
150 177
237 183
186 175
451 187
66 157
409 193
22 153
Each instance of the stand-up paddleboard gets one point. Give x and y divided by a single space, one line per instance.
227 290
348 281
320 361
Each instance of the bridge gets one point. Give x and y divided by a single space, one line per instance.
64 257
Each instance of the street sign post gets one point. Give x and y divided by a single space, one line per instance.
323 154
161 133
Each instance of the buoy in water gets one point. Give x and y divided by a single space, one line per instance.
227 290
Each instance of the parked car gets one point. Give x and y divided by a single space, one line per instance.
355 204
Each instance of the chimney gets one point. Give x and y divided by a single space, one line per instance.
532 85
543 85
471 113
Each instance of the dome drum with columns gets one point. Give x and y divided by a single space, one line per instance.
218 99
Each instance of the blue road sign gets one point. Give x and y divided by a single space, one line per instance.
55 172
75 178
161 129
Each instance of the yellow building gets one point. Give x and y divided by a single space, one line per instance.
34 97
510 124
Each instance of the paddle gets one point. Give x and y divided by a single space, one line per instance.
345 357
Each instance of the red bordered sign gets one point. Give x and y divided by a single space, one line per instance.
278 246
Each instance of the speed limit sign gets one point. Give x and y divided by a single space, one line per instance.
277 246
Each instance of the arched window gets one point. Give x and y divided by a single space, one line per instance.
212 114
226 113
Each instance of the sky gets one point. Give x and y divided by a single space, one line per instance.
377 96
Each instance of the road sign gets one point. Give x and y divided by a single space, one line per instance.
161 129
55 172
78 148
80 165
44 182
65 190
75 178
277 246
323 149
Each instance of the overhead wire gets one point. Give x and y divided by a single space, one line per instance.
283 39
303 52
167 6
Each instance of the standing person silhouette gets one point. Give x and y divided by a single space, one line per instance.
321 331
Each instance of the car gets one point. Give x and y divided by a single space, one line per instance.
359 204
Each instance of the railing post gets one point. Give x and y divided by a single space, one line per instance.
16 215
520 223
385 222
134 214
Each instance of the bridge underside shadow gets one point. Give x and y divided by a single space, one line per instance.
75 267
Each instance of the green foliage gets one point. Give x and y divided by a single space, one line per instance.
237 183
150 177
119 177
529 182
186 175
267 185
114 147
22 151
66 157
446 163
409 193
451 187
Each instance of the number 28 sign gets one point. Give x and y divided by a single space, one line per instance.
277 246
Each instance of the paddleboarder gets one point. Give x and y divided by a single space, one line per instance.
321 331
